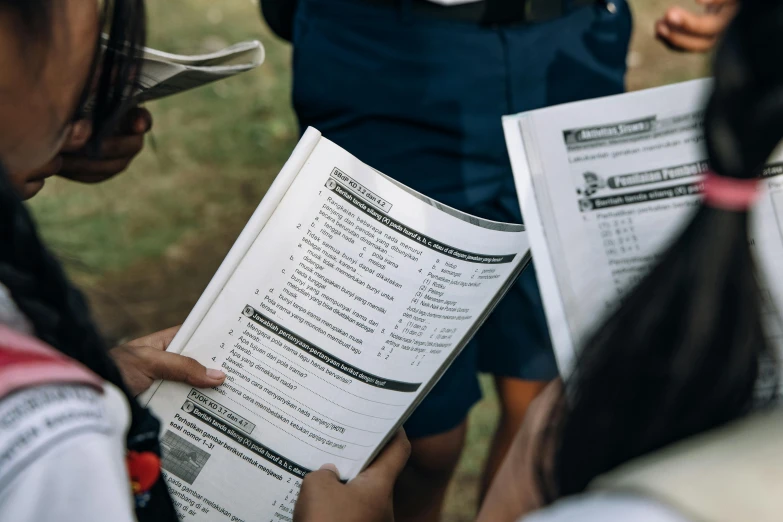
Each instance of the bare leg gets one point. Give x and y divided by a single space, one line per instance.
515 397
421 488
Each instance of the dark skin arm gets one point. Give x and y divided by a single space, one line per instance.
114 156
514 492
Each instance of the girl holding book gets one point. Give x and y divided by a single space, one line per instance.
74 444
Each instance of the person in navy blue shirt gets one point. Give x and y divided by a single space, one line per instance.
417 89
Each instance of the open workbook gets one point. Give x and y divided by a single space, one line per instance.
341 303
606 184
164 74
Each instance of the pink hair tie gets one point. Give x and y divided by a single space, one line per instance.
730 193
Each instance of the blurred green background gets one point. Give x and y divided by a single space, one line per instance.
144 245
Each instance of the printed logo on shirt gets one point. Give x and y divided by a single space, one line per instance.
37 420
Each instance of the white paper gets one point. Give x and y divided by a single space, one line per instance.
605 185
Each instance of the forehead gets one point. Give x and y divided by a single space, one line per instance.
56 38
78 19
74 35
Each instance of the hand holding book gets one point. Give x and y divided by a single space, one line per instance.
367 498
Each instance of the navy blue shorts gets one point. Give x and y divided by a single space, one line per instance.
421 100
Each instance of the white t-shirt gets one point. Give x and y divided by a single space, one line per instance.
62 455
606 507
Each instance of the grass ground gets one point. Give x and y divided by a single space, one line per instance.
145 244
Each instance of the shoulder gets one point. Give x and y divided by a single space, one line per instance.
66 442
26 361
39 420
47 399
606 508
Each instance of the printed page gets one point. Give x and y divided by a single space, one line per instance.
346 309
605 185
165 74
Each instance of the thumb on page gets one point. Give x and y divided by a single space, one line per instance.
367 498
323 498
383 472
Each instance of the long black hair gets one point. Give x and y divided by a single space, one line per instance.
684 352
37 284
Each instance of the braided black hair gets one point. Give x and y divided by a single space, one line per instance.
37 284
683 353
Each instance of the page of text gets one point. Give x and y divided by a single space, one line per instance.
614 180
339 318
